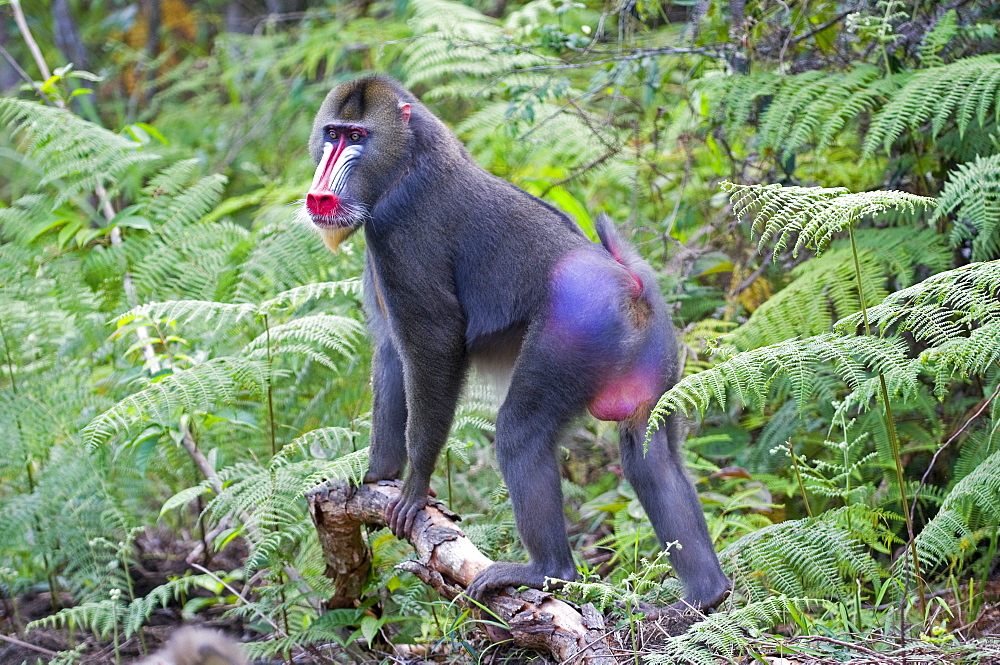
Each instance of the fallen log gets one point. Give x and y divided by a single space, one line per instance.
448 561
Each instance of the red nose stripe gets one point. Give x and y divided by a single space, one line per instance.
320 200
324 204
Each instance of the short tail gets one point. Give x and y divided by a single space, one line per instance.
621 251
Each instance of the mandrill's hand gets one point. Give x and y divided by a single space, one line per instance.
402 512
504 574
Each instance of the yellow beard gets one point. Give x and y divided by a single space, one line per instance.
333 237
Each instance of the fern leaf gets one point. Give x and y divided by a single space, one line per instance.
973 501
813 215
215 382
78 153
972 195
937 38
955 91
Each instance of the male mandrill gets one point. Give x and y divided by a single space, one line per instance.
462 267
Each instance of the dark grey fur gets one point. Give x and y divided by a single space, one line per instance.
458 269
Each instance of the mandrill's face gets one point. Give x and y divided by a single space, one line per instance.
358 140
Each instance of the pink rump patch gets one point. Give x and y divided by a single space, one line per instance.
619 399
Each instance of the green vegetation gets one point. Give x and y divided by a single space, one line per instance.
817 184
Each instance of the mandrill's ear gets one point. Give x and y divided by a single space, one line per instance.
404 111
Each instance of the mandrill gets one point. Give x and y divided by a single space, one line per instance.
462 269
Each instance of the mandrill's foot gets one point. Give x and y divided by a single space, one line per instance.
377 472
693 605
706 595
504 574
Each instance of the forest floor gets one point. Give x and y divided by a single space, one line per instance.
960 641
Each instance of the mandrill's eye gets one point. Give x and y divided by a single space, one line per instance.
333 134
355 136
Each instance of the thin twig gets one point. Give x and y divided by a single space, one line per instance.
937 453
246 601
822 26
663 50
745 284
831 640
27 645
36 52
23 74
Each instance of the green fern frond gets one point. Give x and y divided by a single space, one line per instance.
813 215
824 289
962 90
283 257
725 636
956 312
298 296
78 153
810 107
211 314
139 610
973 501
739 96
100 617
457 42
972 195
188 206
980 444
817 105
937 38
190 261
205 312
271 497
814 556
801 363
220 381
322 443
306 334
942 306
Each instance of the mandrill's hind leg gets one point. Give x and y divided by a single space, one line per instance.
544 396
670 501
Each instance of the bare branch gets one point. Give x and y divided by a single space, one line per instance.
448 561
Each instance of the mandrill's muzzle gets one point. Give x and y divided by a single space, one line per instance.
322 204
329 210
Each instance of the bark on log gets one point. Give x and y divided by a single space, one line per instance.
448 561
